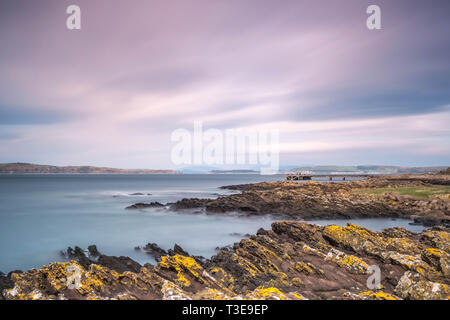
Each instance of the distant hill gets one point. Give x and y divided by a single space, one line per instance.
367 169
234 171
47 169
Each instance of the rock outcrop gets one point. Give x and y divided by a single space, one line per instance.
142 205
293 260
330 200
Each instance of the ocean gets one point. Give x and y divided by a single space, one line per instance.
40 215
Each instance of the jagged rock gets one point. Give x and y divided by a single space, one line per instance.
77 254
412 286
5 283
119 264
154 250
201 260
293 260
71 280
93 252
189 203
177 250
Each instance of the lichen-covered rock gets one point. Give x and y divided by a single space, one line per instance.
272 293
294 260
332 200
378 295
438 259
412 286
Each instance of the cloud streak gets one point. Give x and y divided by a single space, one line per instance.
112 93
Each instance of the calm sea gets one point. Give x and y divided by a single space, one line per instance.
43 214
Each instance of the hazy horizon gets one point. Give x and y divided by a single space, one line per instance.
201 168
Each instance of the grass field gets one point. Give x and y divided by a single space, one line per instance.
415 192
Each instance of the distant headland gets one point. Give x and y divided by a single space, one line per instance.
29 168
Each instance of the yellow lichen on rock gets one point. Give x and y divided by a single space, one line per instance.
223 277
262 293
181 265
379 295
439 259
358 239
171 291
440 239
349 262
413 286
211 294
307 268
402 245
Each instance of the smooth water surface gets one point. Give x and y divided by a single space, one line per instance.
40 215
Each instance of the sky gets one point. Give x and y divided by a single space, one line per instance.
112 93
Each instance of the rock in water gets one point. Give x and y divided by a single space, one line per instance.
93 251
177 250
142 205
154 250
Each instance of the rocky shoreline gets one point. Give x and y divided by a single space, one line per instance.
326 200
293 260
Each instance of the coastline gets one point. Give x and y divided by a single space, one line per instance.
337 200
292 260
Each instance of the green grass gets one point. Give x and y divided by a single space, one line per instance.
415 192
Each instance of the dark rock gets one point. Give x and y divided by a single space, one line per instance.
155 251
93 252
200 260
177 250
225 248
148 266
261 232
14 271
189 203
427 221
119 264
5 283
78 252
142 205
137 194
